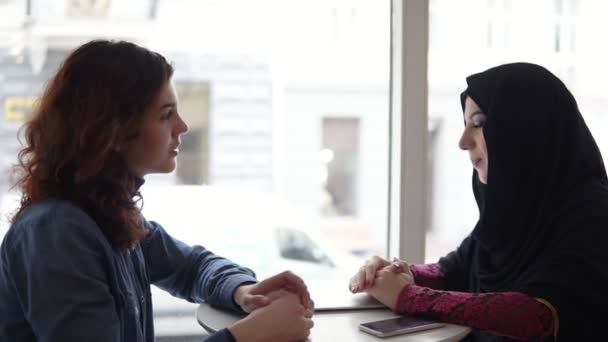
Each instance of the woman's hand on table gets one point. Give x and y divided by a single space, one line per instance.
283 319
253 296
365 278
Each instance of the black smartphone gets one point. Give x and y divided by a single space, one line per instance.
398 325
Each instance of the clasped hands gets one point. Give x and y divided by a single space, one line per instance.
279 307
253 296
382 279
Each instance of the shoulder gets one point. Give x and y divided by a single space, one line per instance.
55 223
154 231
49 210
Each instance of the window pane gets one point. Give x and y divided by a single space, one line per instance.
285 165
556 34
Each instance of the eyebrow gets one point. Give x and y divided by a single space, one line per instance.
169 105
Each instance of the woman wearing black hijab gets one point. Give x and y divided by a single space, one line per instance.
535 267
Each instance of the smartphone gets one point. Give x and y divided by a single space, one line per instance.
398 325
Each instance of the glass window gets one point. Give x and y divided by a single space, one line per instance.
286 162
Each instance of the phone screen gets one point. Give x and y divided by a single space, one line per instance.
398 325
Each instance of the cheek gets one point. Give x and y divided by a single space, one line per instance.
485 150
145 147
481 142
153 139
137 152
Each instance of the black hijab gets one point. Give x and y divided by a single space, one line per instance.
543 215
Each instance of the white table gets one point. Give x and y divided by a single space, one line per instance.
339 326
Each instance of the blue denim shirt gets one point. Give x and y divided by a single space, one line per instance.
61 280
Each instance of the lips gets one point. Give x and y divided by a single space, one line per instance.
175 148
476 162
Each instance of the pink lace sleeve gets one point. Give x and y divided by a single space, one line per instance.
510 314
428 275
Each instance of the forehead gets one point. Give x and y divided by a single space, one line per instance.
470 106
166 98
167 93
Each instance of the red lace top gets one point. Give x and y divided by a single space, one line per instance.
511 314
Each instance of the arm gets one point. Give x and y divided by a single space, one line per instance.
451 272
192 273
428 275
511 314
57 265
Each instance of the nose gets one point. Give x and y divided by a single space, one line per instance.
182 127
466 142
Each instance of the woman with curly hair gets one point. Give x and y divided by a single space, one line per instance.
79 258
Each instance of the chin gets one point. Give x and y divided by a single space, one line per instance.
167 168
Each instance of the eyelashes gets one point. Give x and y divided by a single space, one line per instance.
167 116
478 120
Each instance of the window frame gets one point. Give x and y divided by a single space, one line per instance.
408 213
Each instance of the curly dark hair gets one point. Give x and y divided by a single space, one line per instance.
89 109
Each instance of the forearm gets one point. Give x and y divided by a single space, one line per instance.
510 314
192 272
218 281
428 275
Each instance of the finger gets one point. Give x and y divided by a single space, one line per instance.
284 280
353 285
357 282
396 266
379 262
370 275
406 268
302 293
258 301
360 280
373 265
306 301
308 313
290 280
308 324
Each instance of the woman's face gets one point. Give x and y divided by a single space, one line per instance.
472 139
155 147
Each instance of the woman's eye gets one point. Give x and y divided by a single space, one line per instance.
478 120
167 115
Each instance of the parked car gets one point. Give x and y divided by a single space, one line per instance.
255 229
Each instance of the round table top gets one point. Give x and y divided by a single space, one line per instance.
340 325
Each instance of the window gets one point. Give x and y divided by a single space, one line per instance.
268 88
339 155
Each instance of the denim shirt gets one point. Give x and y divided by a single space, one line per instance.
61 280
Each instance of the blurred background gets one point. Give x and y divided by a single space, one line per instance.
286 162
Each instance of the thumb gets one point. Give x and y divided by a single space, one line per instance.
258 301
396 266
